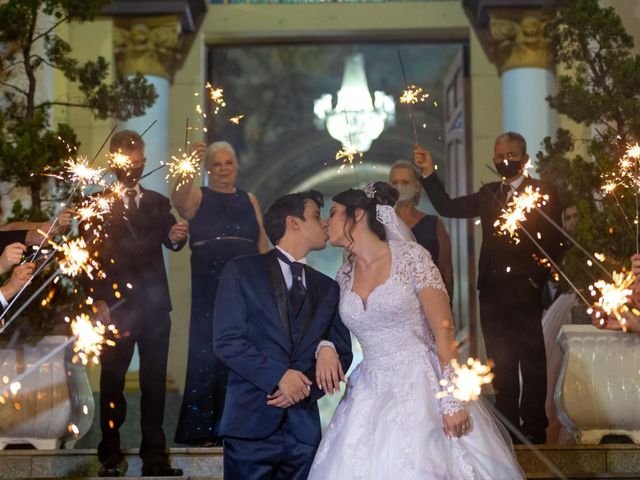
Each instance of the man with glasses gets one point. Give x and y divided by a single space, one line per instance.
510 279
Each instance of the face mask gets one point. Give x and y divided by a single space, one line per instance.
406 192
130 176
508 169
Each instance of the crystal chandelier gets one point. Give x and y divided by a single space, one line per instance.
356 121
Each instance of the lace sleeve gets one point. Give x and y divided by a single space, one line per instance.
448 403
424 272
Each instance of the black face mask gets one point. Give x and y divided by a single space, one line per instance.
129 177
509 168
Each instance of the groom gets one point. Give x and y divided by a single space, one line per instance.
271 313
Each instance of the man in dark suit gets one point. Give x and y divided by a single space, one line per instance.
272 315
510 280
130 253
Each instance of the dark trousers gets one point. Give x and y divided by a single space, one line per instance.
150 329
511 319
278 457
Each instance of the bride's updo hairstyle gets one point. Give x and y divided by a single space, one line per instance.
374 194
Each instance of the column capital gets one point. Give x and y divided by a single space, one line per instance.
149 45
518 39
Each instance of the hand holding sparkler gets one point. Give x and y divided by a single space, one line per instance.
11 255
179 232
20 276
199 149
423 160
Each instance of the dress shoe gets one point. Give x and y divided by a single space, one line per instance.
109 470
160 471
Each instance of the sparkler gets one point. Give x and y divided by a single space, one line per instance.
80 171
119 160
76 258
89 342
217 97
516 212
90 338
412 95
94 207
183 168
467 380
614 296
348 154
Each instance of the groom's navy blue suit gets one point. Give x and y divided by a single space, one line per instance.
259 337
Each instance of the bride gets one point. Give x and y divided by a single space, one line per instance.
390 424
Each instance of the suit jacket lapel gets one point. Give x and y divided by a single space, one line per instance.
280 291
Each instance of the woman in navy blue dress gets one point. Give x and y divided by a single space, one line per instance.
428 229
224 222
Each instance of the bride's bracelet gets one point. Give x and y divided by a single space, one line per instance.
448 403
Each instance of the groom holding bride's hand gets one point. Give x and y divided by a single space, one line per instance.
273 316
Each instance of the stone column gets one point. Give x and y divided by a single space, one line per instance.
151 46
523 56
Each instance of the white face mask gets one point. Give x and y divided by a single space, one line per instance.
406 192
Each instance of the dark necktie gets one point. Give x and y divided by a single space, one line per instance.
131 201
503 193
297 292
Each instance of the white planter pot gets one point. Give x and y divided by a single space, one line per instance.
51 400
598 390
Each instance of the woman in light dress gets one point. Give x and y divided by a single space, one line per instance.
390 424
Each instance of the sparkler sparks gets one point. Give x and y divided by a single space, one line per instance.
217 97
412 95
516 212
76 257
467 380
615 296
90 338
183 168
236 119
633 151
348 154
119 160
94 207
80 171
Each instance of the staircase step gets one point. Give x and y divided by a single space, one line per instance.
582 462
197 463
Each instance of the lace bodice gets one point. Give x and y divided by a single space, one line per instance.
393 323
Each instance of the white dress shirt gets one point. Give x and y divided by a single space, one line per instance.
286 269
3 301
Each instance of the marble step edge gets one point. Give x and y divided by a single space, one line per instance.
92 452
130 478
218 450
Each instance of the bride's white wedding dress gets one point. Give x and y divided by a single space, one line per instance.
388 425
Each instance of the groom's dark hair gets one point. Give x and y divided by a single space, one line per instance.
292 204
